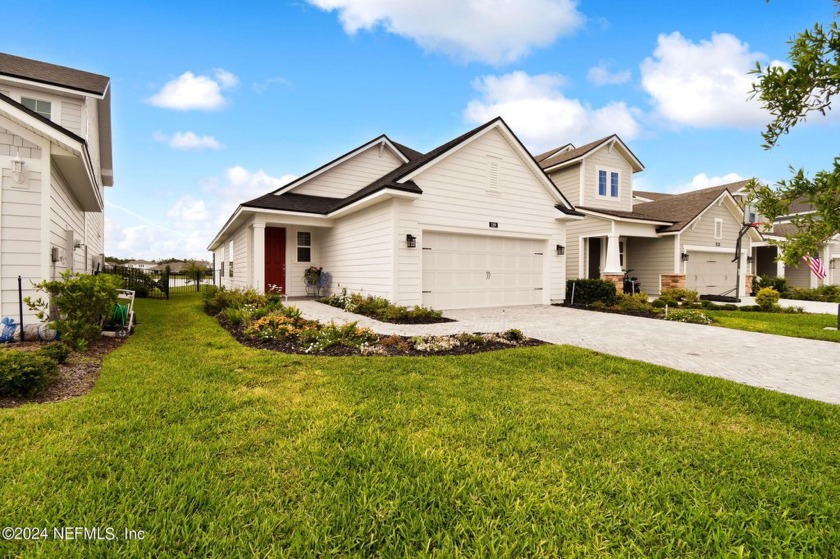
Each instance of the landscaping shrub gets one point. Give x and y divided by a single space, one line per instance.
57 351
691 316
514 335
216 299
332 334
286 324
23 373
636 303
824 293
78 305
589 291
680 295
767 299
382 309
778 283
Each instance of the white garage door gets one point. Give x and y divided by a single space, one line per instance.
711 273
463 271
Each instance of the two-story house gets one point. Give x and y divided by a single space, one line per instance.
55 160
685 240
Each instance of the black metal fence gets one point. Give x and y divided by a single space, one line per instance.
159 284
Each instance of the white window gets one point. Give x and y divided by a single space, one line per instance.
718 228
608 184
230 259
43 108
304 246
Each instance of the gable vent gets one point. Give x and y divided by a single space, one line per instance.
493 173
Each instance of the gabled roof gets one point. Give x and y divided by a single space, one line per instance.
652 196
681 209
52 74
675 211
409 153
549 153
574 155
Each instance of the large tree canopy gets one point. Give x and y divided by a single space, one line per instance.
791 95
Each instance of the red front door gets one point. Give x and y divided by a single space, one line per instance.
275 258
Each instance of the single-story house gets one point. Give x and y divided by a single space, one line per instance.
55 162
474 222
668 240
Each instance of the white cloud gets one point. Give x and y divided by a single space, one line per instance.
493 31
702 180
191 92
703 84
542 116
602 75
190 222
188 141
261 87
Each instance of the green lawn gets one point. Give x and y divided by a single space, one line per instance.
796 325
213 449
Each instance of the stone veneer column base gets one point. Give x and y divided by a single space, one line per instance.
616 279
671 281
749 287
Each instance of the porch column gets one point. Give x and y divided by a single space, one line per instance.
613 263
780 266
259 257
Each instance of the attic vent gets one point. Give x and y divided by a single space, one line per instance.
493 164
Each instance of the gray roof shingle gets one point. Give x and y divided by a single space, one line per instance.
52 74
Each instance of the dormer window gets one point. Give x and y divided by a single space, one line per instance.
608 184
43 108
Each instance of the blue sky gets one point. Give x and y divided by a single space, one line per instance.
214 103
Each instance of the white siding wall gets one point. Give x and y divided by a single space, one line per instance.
241 259
456 199
352 175
295 285
608 161
798 277
20 222
359 252
703 232
67 223
71 116
568 181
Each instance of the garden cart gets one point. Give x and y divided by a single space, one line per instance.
121 321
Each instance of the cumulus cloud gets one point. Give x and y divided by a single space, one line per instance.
492 31
702 180
188 141
602 75
703 84
188 225
195 92
542 116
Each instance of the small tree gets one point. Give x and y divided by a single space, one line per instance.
78 305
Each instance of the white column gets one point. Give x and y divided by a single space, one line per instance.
613 263
780 266
259 257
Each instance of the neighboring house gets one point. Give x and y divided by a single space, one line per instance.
683 240
765 255
472 223
55 156
141 264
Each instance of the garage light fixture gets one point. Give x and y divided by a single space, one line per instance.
749 259
684 257
17 169
410 241
561 250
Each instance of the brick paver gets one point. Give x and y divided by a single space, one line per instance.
807 368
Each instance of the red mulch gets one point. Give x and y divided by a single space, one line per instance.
76 377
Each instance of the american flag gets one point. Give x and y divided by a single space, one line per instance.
816 266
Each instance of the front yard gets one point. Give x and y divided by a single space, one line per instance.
214 449
810 326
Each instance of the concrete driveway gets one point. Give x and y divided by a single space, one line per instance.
807 368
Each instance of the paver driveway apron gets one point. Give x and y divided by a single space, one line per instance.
807 368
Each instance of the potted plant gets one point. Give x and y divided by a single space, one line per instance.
312 279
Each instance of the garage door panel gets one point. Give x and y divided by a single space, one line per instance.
456 266
710 273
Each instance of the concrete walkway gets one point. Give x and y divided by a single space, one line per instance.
807 368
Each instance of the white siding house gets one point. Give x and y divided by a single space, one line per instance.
55 157
472 223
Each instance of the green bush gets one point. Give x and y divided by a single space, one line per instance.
23 373
778 283
216 299
767 299
382 309
680 295
589 291
57 351
78 305
824 293
690 316
636 303
332 334
514 335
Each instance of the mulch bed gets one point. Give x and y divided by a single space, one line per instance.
427 320
392 350
76 377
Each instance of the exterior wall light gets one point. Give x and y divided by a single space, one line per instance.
684 257
17 170
749 259
410 241
561 250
